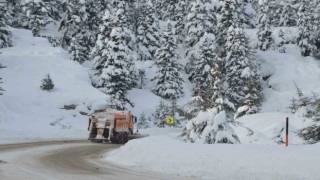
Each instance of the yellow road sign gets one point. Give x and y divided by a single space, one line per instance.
170 120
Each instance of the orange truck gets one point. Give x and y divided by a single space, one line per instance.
111 125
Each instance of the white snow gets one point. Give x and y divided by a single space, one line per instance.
26 111
164 152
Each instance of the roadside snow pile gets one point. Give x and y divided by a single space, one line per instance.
167 154
26 111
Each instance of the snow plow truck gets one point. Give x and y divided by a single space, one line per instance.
108 125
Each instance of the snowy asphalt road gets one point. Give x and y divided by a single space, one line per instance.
65 160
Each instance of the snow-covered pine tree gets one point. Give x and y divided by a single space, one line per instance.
316 4
114 61
195 23
305 39
81 35
14 13
249 14
147 32
5 35
47 83
142 78
159 8
168 80
169 9
162 111
36 13
281 42
199 21
210 127
179 18
265 39
202 66
98 51
311 109
229 16
288 16
219 99
274 12
142 121
244 88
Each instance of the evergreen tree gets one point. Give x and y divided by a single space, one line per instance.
311 106
99 50
305 39
147 32
161 113
142 78
159 8
5 35
170 7
219 99
143 121
47 83
210 127
195 23
199 21
14 13
37 17
80 34
248 14
112 63
265 39
229 17
244 89
179 18
316 4
168 80
201 75
288 16
281 43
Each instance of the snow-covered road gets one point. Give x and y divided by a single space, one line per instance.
65 160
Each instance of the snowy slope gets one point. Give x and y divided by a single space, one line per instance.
25 110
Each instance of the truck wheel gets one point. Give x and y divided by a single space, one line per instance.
125 138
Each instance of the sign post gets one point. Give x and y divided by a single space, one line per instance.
287 132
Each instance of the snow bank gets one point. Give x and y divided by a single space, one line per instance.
167 154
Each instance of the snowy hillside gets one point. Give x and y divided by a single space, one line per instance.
27 112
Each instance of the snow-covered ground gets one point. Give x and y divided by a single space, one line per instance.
29 114
164 152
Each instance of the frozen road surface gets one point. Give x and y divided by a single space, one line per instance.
65 160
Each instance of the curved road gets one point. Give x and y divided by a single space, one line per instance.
66 160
